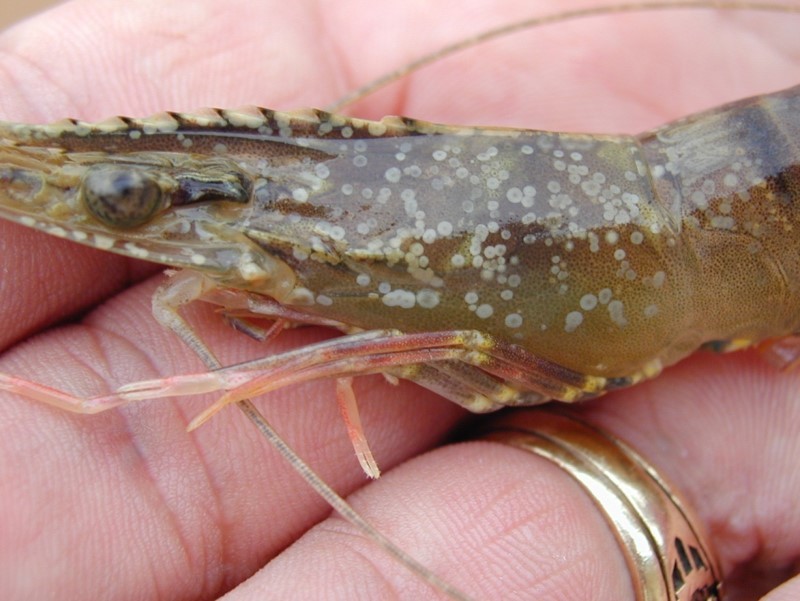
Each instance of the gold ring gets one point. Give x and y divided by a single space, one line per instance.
664 548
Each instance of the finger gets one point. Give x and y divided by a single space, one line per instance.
46 280
725 430
497 521
619 73
786 592
489 520
196 512
541 76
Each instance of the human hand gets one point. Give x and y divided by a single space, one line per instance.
128 505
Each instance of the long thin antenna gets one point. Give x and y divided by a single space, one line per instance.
532 22
343 507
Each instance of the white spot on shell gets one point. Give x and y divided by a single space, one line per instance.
588 302
445 228
136 251
617 312
57 231
572 321
322 171
722 222
484 311
376 128
242 119
393 175
103 242
427 298
400 298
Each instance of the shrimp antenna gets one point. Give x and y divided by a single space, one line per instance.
517 26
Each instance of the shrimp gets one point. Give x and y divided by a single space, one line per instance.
546 244
557 241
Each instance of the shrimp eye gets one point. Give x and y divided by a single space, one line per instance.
121 197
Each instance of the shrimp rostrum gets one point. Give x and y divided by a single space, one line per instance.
493 266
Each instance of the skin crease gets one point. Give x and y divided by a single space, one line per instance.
127 505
